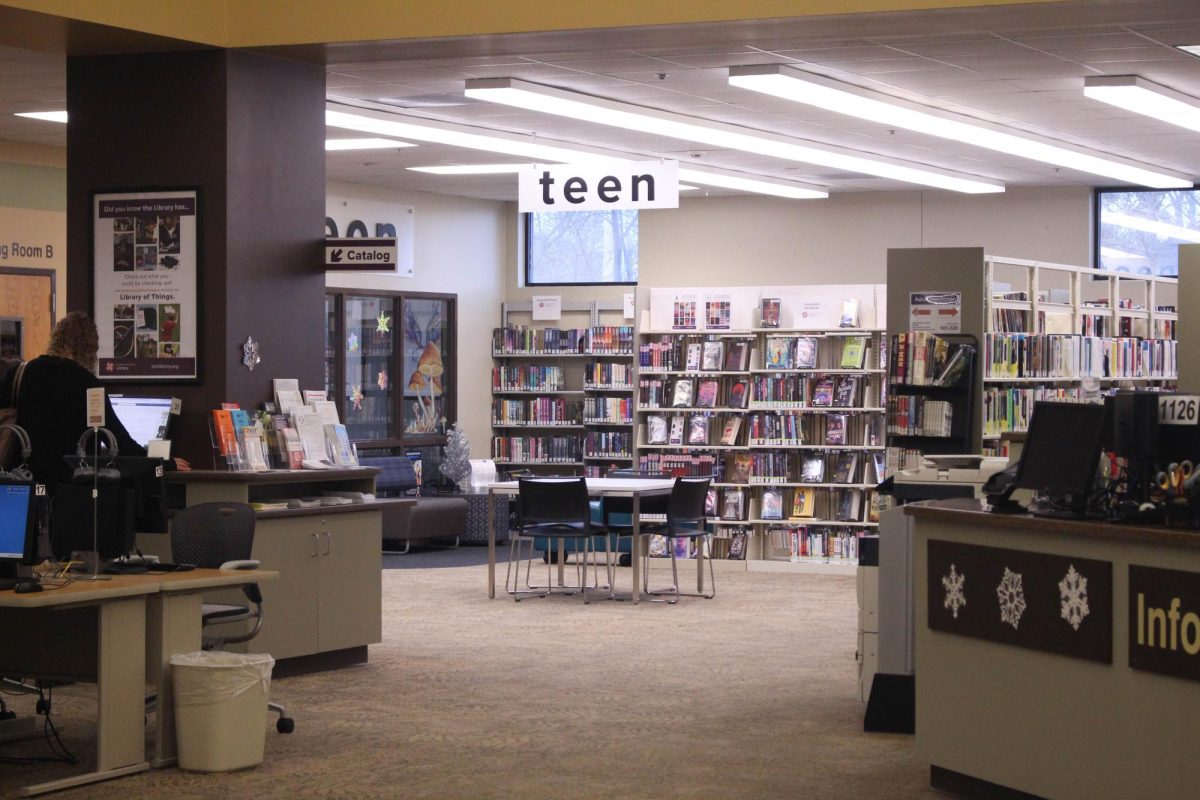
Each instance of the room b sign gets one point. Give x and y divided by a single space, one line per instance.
599 187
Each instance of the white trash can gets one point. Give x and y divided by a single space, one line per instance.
220 709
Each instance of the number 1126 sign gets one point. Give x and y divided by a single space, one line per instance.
1179 409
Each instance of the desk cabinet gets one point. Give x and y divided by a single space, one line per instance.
329 594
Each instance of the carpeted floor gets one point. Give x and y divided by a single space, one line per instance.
750 695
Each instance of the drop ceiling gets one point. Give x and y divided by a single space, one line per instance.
1021 66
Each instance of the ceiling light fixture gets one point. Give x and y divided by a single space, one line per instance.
364 144
48 116
1190 49
854 101
534 97
1132 93
541 151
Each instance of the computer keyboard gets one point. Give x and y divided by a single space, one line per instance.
8 583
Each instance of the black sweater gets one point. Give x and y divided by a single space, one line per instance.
52 408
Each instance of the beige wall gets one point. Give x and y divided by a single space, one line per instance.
459 247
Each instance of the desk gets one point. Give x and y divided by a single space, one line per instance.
137 622
633 488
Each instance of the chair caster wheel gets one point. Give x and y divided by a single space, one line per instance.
285 725
549 558
625 560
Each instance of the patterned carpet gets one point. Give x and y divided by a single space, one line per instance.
750 695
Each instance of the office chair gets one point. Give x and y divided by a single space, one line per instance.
685 520
617 512
221 536
555 509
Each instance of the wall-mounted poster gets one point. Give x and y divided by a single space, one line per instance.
145 267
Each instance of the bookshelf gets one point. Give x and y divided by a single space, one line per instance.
562 395
1046 331
788 420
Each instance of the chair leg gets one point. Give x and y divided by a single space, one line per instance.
675 576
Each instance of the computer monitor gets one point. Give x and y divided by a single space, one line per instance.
143 477
145 418
105 524
18 531
1062 452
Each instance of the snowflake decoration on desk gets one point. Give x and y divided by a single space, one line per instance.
955 597
356 397
1072 589
1012 598
383 323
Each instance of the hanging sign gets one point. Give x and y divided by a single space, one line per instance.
378 254
599 187
936 312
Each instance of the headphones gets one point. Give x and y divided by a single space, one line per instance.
85 472
21 471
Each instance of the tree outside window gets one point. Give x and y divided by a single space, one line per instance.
589 247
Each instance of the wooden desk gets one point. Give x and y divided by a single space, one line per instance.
633 488
137 623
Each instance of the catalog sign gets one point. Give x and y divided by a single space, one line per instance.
144 261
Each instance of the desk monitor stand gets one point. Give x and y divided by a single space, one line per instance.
92 563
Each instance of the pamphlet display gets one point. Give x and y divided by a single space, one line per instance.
145 292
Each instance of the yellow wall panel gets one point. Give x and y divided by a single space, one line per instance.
203 21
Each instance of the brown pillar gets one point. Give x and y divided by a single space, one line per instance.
248 131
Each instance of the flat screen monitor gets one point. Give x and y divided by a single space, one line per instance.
145 418
18 533
143 477
1062 451
81 523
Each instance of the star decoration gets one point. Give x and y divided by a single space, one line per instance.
382 380
382 323
352 342
356 397
250 356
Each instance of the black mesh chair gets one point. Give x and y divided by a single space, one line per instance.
618 511
221 536
555 509
685 520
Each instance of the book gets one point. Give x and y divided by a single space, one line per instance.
706 394
803 503
772 504
812 469
854 352
698 429
849 506
254 448
849 317
770 312
956 366
712 355
656 429
692 356
732 503
737 546
293 447
339 445
681 393
737 356
844 467
835 428
823 392
676 434
739 393
806 352
845 391
738 468
710 503
778 353
729 433
223 431
879 463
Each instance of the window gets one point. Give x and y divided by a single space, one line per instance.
581 247
1140 231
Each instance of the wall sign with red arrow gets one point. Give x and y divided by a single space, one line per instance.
936 312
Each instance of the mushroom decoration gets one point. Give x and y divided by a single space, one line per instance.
429 366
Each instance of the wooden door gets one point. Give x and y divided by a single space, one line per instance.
26 312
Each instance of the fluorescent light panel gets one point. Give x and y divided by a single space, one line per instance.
470 169
539 152
831 95
534 97
48 116
1190 49
1131 93
365 144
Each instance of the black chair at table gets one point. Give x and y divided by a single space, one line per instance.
617 512
685 520
555 509
221 536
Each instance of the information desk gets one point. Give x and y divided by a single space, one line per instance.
633 488
327 605
120 634
1059 658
